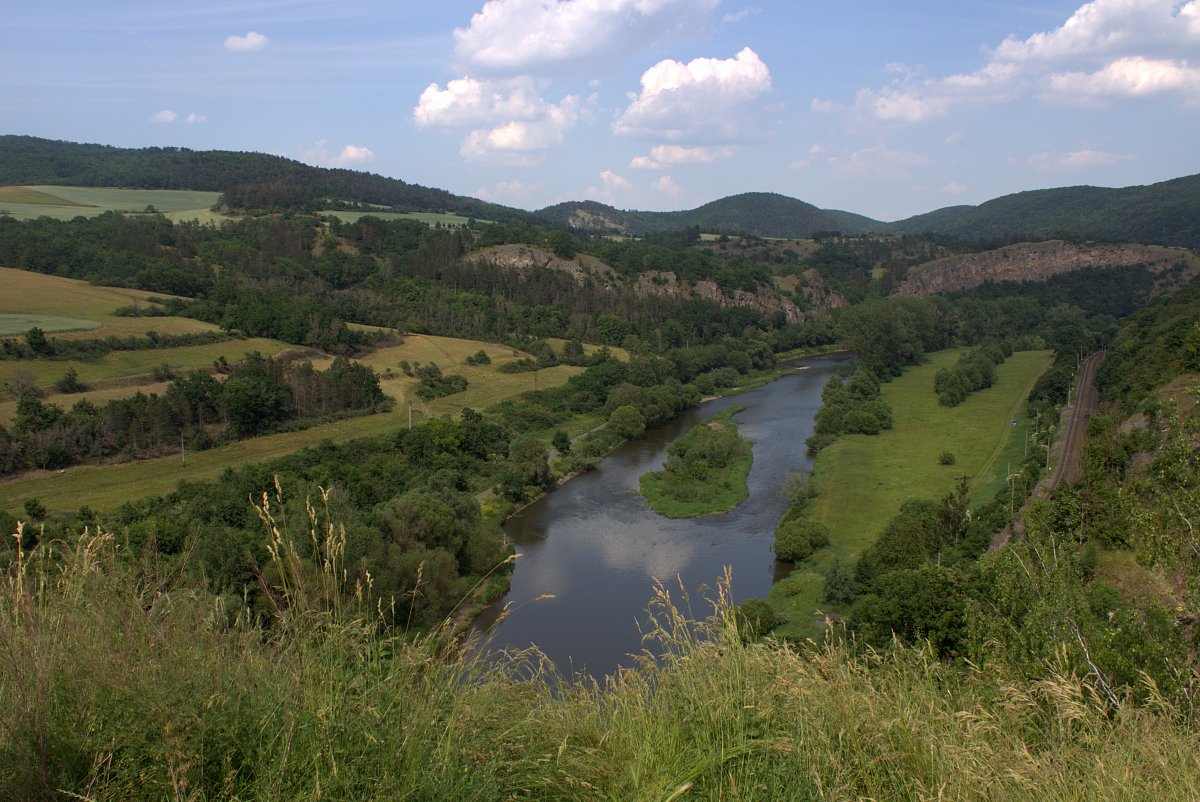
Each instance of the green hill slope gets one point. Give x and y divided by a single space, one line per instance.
763 214
247 180
1166 213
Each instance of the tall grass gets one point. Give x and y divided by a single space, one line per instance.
118 683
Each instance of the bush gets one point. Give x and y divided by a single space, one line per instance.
480 357
627 422
946 458
860 421
756 618
70 383
797 539
35 509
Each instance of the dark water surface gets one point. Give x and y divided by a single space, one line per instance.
596 547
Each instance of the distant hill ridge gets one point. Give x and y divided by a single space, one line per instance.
1166 213
763 214
248 180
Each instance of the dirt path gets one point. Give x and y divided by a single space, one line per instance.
1067 453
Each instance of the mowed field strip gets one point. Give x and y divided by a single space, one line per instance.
65 203
103 487
30 294
863 481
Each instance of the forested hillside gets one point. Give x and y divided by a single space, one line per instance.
759 214
1166 213
247 180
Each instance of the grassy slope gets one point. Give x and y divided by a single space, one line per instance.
862 481
93 201
103 487
176 703
721 492
131 364
25 292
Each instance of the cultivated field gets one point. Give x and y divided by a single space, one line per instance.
107 486
862 481
65 203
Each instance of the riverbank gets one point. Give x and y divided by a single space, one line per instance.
861 481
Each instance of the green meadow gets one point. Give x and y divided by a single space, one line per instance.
25 294
862 481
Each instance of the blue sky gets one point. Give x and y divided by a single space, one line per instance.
881 108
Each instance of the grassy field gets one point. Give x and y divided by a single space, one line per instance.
128 366
18 323
103 487
862 481
65 203
23 292
432 218
678 497
30 196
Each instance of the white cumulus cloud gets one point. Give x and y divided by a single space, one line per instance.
1125 78
164 116
353 155
194 118
517 35
1074 160
349 156
662 156
705 101
251 41
509 119
668 187
1106 50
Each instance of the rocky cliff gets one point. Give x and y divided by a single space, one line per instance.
1038 261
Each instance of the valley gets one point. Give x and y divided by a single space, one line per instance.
587 493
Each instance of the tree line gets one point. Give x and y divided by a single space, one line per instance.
195 411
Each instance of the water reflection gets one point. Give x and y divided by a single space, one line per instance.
594 546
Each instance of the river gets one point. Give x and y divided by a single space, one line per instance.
596 549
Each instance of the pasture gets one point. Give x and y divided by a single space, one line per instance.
862 481
19 323
25 293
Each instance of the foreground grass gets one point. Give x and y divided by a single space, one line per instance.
862 481
676 496
115 684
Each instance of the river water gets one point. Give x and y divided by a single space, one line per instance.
595 547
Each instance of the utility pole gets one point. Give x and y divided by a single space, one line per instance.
410 413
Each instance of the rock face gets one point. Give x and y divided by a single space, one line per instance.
524 258
767 301
1034 261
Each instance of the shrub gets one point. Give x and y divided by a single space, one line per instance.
757 618
480 357
797 539
860 421
627 422
946 458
